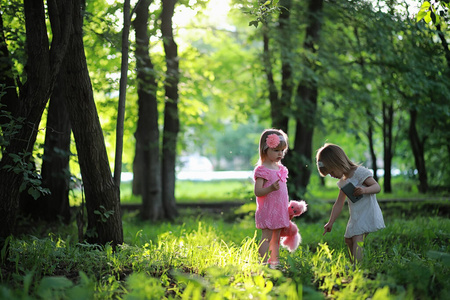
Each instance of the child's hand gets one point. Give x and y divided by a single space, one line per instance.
327 227
358 191
275 186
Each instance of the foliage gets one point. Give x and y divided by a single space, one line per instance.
208 257
433 12
261 10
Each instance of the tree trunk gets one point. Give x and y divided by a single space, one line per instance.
102 194
42 68
373 155
418 150
146 164
388 120
10 98
282 110
268 69
55 166
306 102
171 119
122 93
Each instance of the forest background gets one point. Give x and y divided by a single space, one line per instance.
91 90
206 77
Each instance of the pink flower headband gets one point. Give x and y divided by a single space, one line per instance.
273 140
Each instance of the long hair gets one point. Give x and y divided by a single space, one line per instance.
331 157
263 144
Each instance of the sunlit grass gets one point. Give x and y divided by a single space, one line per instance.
203 256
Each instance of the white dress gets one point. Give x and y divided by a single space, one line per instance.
365 214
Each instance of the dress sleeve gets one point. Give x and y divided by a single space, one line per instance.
364 173
261 172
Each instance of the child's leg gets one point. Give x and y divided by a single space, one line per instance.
349 242
357 249
264 244
274 246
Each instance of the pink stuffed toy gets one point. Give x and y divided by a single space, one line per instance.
290 237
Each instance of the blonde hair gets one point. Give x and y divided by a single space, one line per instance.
331 157
263 147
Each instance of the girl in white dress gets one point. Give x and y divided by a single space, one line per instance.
365 213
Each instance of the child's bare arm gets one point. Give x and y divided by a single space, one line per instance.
335 212
370 187
262 191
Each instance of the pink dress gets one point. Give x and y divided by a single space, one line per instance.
272 209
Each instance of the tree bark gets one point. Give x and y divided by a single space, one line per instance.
102 194
268 69
10 98
282 110
306 102
388 120
122 92
42 67
171 118
55 163
146 164
417 146
373 155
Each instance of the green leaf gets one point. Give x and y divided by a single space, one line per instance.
254 23
50 286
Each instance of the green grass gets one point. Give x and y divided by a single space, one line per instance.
242 191
208 256
187 191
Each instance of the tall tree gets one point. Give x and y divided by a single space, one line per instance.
102 194
146 164
42 68
281 110
306 100
171 118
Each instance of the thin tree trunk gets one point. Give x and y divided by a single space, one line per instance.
102 194
388 120
418 150
306 98
146 165
368 112
373 155
268 69
281 111
122 93
171 119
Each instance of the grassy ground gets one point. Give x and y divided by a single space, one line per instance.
242 191
214 256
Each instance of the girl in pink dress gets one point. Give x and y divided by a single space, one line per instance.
272 199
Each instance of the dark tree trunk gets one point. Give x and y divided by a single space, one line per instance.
268 69
10 98
171 119
388 120
417 146
373 155
362 64
282 110
306 102
122 93
55 166
102 194
146 164
42 68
